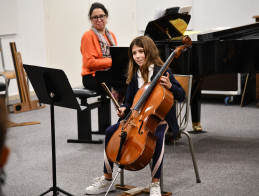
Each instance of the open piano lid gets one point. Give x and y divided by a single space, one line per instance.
168 27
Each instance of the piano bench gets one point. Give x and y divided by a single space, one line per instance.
84 116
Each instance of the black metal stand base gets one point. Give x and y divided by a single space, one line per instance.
56 191
84 141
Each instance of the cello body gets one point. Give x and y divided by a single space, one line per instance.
140 142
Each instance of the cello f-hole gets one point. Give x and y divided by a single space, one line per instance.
140 133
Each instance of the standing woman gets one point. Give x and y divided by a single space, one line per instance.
95 47
144 64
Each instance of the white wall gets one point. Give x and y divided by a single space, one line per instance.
49 31
210 14
30 39
8 17
66 24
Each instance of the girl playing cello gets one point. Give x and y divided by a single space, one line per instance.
144 63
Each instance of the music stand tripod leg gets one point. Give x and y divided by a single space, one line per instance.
55 189
52 87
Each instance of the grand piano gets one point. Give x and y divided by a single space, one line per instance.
233 50
116 75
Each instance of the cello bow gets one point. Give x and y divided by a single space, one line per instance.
110 95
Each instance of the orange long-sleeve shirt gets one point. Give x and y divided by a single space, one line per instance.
92 54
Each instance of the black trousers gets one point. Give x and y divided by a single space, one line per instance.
94 83
90 82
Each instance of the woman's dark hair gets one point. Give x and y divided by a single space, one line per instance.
95 6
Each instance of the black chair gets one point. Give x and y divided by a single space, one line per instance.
4 88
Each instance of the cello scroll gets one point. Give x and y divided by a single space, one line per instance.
187 44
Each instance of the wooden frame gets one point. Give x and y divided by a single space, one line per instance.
26 103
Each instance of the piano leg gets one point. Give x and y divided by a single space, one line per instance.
257 89
196 103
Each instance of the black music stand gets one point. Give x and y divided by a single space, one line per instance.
52 87
162 29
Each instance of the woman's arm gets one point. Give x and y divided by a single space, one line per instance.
92 53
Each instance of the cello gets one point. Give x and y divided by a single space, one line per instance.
133 143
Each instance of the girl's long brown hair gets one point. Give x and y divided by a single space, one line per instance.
151 57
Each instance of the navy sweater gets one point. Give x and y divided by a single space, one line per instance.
176 89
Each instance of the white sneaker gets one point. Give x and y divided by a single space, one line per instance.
100 185
155 189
